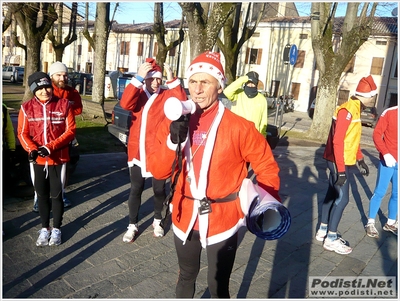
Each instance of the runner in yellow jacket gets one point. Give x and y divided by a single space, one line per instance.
247 101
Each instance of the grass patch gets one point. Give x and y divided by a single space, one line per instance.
93 137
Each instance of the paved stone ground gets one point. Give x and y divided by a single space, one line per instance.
93 262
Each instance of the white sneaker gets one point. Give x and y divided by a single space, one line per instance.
43 239
391 228
337 245
129 236
371 230
158 230
320 236
55 238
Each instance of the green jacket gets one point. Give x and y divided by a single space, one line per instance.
8 131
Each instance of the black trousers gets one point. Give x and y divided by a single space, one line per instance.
48 184
220 256
135 195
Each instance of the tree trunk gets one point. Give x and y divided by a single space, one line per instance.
34 32
232 44
59 44
102 25
159 31
204 24
355 30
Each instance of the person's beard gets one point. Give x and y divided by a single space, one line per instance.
59 84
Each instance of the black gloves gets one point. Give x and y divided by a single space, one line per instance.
33 156
363 167
43 152
341 179
179 129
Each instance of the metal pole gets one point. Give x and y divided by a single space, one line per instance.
84 86
179 58
284 96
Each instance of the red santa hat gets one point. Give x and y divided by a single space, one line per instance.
208 62
366 87
155 72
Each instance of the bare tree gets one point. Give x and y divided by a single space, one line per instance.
354 31
7 20
159 31
35 21
231 44
60 43
102 25
205 21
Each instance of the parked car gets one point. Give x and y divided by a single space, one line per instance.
13 73
369 115
76 80
120 124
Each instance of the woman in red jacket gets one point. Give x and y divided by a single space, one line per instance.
145 98
46 125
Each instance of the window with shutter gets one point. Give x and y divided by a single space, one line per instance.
124 48
274 89
259 55
300 59
377 65
295 90
140 49
155 51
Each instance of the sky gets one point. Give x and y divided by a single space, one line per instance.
130 12
142 12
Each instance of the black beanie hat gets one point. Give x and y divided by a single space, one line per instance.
39 80
253 77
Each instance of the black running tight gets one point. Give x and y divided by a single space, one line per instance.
135 195
48 186
220 256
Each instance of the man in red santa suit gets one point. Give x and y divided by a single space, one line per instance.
144 97
205 208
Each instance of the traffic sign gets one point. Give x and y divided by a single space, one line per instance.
293 54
